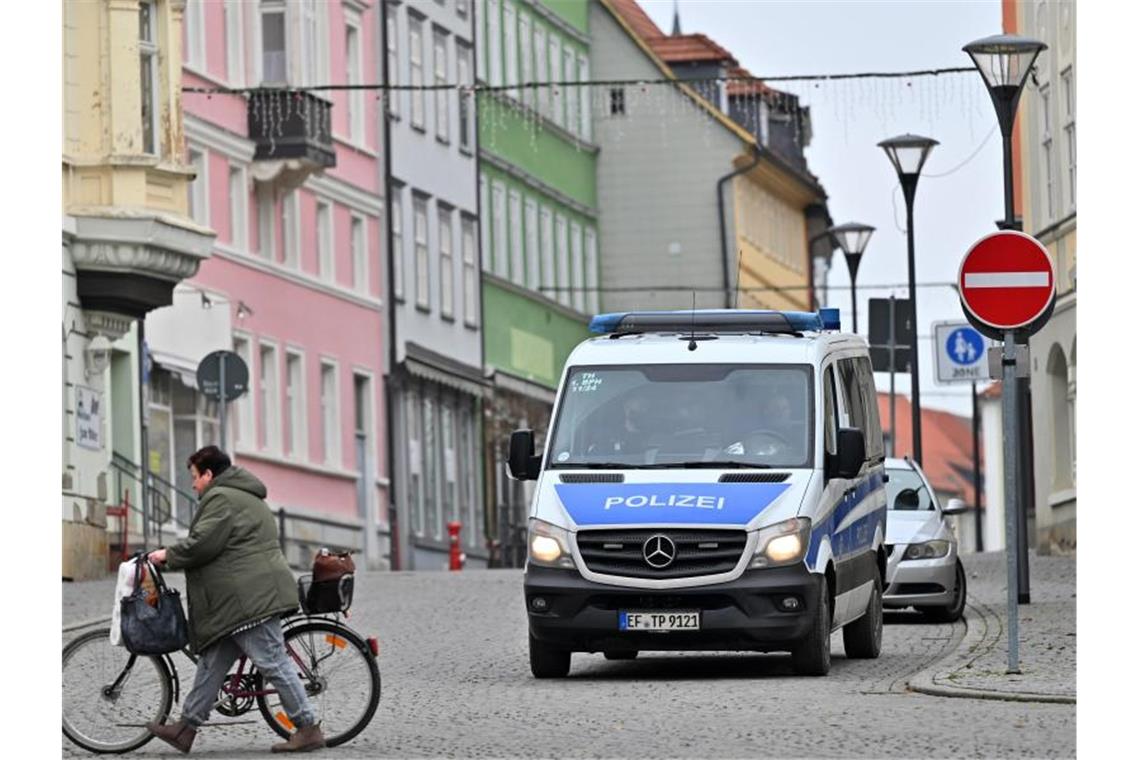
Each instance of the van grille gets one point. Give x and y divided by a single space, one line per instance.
753 477
698 552
592 477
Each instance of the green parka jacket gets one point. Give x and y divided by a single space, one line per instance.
235 570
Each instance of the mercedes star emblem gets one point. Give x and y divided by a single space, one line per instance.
659 551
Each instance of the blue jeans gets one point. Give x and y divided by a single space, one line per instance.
264 645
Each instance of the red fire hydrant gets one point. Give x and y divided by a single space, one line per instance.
456 557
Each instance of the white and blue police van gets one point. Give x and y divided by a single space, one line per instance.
711 480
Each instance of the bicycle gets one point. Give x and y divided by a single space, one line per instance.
105 712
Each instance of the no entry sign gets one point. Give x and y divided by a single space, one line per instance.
1007 281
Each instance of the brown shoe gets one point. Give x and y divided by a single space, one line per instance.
304 739
179 735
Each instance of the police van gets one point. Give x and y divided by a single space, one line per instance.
711 480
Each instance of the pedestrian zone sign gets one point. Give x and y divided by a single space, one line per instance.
959 353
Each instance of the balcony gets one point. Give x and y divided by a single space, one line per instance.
292 134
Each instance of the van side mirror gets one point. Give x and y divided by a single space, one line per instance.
521 460
852 453
954 507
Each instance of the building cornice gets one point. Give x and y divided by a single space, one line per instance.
537 297
217 139
1057 229
533 115
534 183
349 195
556 21
296 277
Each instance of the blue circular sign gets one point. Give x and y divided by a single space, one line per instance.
965 346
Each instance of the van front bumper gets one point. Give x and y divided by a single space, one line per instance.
744 614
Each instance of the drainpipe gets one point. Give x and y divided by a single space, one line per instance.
720 215
389 401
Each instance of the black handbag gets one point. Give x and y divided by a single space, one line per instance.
160 629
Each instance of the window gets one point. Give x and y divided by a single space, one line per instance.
439 62
617 101
563 260
359 243
393 96
355 75
420 233
416 60
1047 150
469 456
531 218
447 442
235 43
570 74
499 220
274 68
556 99
1070 134
148 75
541 69
314 42
397 243
466 98
413 413
431 459
195 53
326 268
592 270
549 280
295 404
526 65
198 200
516 224
576 265
291 226
239 202
511 47
266 222
270 400
494 43
485 229
480 43
830 415
243 407
874 430
330 415
446 264
470 277
585 129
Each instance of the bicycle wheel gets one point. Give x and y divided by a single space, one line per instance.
109 694
340 676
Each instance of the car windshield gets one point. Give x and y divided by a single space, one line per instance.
913 492
685 415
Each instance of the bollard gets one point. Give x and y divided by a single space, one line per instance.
456 558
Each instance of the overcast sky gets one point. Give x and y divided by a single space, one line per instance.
849 119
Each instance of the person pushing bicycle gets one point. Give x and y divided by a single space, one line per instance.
238 585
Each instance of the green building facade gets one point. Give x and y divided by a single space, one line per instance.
539 223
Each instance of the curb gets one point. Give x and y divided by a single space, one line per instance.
923 683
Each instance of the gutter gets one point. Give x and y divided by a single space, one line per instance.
756 155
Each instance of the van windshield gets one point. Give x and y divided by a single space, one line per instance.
684 415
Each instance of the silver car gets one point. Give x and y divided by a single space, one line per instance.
923 569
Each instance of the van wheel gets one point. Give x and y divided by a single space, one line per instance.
625 655
547 661
953 611
812 656
863 639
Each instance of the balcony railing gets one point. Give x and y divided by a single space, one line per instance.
290 124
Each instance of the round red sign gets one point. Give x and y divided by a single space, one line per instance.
1007 280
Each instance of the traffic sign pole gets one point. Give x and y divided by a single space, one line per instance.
1009 447
222 402
894 432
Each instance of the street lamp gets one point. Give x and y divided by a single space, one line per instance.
908 153
1004 61
852 238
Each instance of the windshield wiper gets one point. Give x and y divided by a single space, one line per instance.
591 466
724 464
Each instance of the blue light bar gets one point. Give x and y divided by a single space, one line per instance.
716 320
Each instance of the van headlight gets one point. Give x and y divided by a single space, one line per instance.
548 545
927 550
784 543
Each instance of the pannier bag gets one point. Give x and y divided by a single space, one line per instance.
329 588
152 627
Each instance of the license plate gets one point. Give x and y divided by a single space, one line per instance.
659 621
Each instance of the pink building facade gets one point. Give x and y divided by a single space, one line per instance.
296 281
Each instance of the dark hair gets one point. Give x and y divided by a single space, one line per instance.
209 458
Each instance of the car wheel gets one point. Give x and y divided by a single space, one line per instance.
812 655
952 611
547 661
863 639
625 655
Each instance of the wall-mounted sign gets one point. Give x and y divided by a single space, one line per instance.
88 418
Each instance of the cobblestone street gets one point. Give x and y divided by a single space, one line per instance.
456 683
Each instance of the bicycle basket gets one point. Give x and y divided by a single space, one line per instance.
324 597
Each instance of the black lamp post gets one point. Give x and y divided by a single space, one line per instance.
852 238
907 154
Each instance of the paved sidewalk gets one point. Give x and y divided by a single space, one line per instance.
1047 636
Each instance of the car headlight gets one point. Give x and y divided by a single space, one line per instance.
927 550
548 545
784 543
